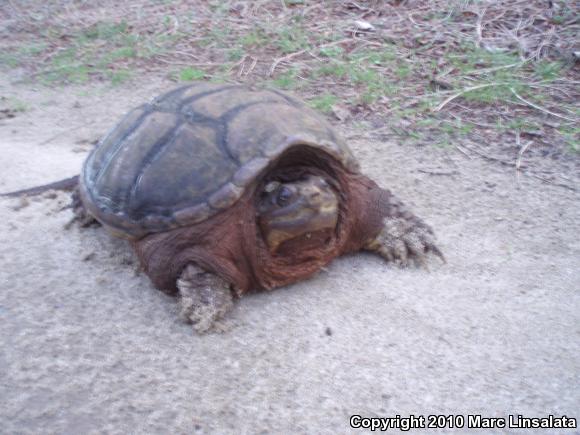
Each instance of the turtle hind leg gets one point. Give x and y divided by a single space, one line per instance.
403 238
205 299
81 215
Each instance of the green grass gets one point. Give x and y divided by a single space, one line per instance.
488 95
291 39
220 36
331 52
548 70
13 59
403 70
501 71
336 69
287 80
365 76
380 57
370 68
366 70
324 102
469 58
103 50
235 54
104 31
8 59
191 74
219 7
119 77
521 124
571 136
68 66
33 49
253 39
456 127
14 104
428 127
379 77
124 53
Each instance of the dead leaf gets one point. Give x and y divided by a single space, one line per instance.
364 26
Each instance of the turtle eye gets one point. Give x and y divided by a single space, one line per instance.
271 186
284 194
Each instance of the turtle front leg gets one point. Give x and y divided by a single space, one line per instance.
403 238
204 298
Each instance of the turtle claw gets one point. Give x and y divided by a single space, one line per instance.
404 241
438 253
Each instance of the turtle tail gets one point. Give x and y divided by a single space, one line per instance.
68 184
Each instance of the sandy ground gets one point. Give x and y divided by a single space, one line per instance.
89 346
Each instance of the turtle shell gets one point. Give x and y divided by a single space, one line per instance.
193 151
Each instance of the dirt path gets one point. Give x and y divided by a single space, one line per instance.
89 346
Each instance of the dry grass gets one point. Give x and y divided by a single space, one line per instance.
497 79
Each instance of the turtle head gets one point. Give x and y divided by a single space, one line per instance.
297 210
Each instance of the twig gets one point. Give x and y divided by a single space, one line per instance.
426 171
357 6
490 158
478 30
497 68
545 180
503 162
177 63
541 109
520 154
298 53
252 66
241 70
62 133
464 91
462 151
184 53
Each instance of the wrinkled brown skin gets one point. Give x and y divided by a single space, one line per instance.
230 244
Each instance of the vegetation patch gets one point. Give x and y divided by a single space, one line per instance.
456 73
323 103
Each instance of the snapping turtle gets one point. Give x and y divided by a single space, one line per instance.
221 189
